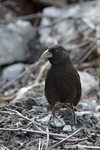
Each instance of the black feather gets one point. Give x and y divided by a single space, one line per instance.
62 82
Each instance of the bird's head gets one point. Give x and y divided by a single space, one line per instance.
56 54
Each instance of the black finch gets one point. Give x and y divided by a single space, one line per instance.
62 83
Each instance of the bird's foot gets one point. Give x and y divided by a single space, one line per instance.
74 118
65 111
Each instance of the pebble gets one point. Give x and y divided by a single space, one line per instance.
67 128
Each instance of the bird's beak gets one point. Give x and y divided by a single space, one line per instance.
46 55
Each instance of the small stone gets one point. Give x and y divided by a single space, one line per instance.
73 128
42 100
92 104
38 109
46 119
67 128
82 113
58 122
89 104
83 106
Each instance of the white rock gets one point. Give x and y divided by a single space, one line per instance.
52 12
45 119
67 128
58 122
55 12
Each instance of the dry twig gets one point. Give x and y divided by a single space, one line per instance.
81 147
14 112
47 139
43 133
43 68
60 142
20 75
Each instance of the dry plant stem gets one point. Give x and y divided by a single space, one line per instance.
41 148
74 46
47 139
88 48
88 53
98 38
43 68
14 112
19 76
35 131
7 98
89 23
81 147
85 65
2 147
60 142
76 140
50 134
39 144
26 17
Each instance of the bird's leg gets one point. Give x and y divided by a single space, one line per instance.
53 111
73 113
76 109
56 107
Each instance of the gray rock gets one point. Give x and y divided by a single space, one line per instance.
22 28
64 27
89 104
92 104
12 71
42 100
89 83
38 109
14 39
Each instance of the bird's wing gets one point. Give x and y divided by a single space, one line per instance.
51 91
